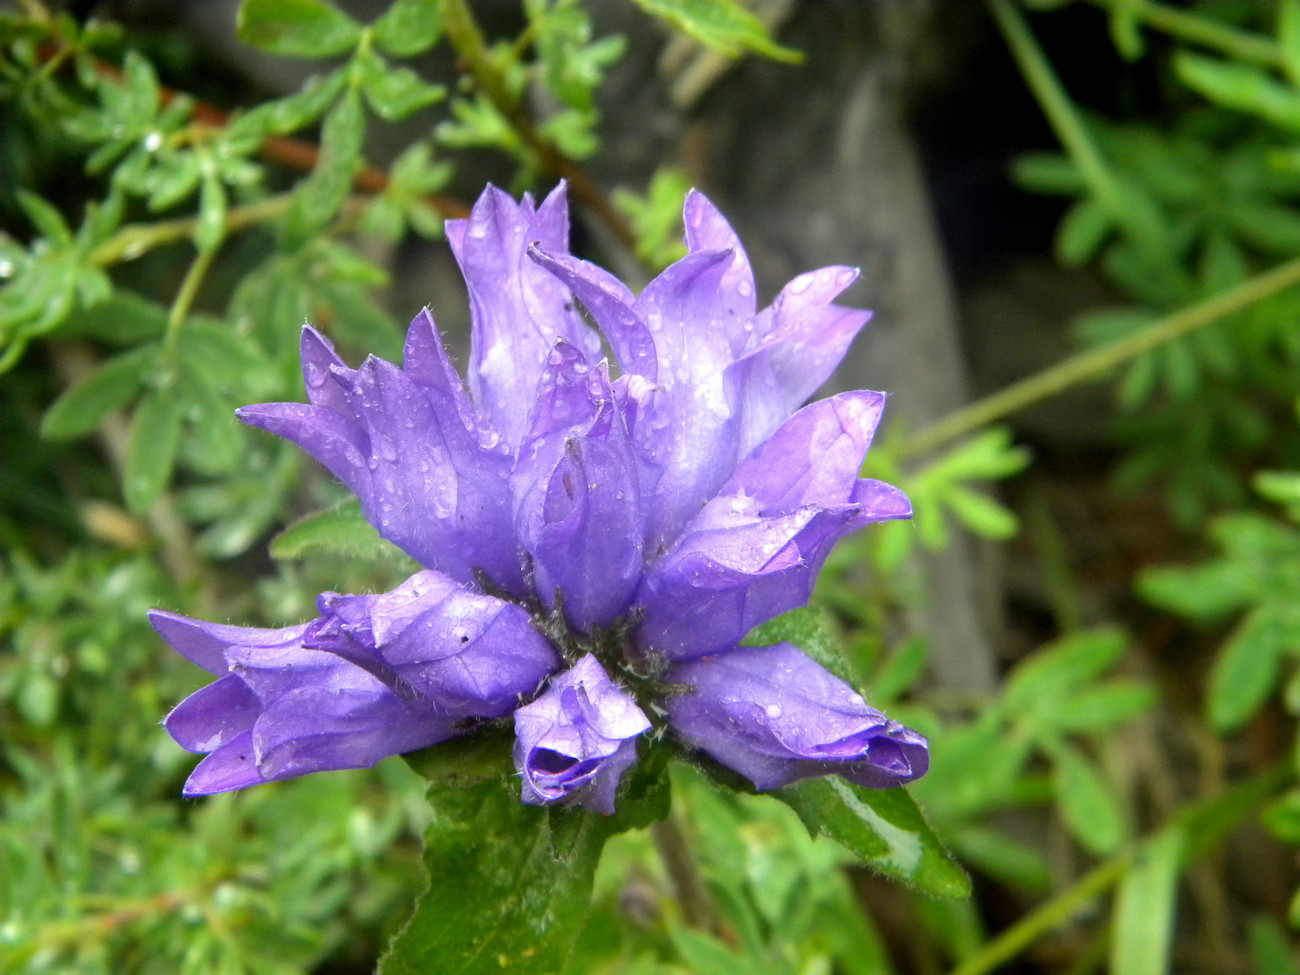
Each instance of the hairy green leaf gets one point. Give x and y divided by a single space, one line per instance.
884 827
499 898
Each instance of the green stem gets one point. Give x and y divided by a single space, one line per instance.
1237 44
135 239
463 31
1048 917
1205 822
1061 114
1096 362
184 300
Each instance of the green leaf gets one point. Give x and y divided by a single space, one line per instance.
1270 945
1048 173
151 450
408 27
212 212
124 318
812 629
341 530
1240 86
1050 677
214 440
884 827
1249 666
292 112
319 196
1144 907
723 25
1098 709
899 671
297 28
1089 809
47 220
1288 38
110 387
499 898
981 514
394 93
1083 230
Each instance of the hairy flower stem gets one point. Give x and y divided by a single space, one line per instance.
1095 363
467 38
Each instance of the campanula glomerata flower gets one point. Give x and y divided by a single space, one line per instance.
603 514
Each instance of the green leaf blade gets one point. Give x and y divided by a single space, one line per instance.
500 897
296 28
722 25
884 827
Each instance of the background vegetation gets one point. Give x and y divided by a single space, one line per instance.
1125 801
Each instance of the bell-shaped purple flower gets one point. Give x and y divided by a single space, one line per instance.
470 655
399 671
775 716
755 550
573 744
655 507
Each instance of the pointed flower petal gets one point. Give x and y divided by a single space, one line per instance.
775 716
574 743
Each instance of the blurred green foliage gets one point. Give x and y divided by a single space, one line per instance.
158 258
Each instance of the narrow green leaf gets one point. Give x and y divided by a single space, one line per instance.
212 212
981 514
151 450
124 318
408 27
1097 709
1144 907
214 440
206 342
899 671
320 195
112 386
1089 809
297 28
1049 173
1270 948
1288 38
499 899
1046 679
1083 230
342 530
395 93
1241 86
1248 668
884 827
292 112
47 220
723 25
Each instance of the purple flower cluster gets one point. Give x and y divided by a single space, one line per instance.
596 545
